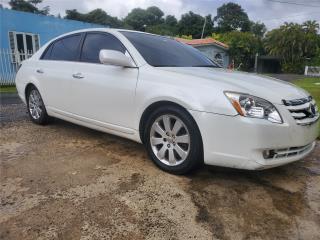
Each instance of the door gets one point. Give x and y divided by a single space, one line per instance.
55 71
23 45
103 93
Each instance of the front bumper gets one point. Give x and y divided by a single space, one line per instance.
239 142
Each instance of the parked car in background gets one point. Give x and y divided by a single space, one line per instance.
183 107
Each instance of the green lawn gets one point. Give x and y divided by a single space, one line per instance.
312 85
8 89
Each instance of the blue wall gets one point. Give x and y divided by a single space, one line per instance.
46 26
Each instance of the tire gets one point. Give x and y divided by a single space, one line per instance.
36 108
169 130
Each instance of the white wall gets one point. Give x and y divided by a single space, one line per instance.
211 51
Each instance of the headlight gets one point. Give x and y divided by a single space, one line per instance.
251 106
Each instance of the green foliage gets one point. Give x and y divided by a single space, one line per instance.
97 16
8 89
139 19
188 37
312 86
295 44
162 29
192 24
231 17
315 61
29 6
258 29
242 47
171 20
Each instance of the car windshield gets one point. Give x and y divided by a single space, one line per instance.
160 51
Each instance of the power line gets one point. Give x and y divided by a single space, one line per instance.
290 16
294 3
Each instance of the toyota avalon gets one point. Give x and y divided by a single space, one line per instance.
182 106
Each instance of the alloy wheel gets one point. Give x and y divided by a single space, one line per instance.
170 140
35 104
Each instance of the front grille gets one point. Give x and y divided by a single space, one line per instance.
303 110
286 152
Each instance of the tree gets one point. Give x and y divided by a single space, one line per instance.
29 6
231 17
97 16
294 44
258 29
192 24
169 27
139 18
73 14
35 2
171 20
155 15
243 47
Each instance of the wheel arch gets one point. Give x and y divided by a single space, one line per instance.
155 105
27 89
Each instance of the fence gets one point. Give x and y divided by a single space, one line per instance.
312 71
9 64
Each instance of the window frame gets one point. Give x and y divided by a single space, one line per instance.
51 45
16 55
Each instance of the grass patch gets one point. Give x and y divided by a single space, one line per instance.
312 85
8 89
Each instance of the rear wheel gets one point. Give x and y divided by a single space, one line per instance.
173 140
36 109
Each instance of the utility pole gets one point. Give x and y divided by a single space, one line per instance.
256 63
204 25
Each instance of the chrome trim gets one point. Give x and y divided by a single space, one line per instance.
303 110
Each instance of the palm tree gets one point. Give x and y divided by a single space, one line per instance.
293 43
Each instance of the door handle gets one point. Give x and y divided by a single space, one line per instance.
40 71
77 75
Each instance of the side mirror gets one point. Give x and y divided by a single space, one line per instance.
111 57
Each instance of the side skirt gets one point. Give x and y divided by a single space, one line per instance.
94 124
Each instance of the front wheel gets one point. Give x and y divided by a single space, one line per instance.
173 140
36 109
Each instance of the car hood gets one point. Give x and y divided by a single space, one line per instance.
271 89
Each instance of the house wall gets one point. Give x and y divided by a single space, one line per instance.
211 50
47 27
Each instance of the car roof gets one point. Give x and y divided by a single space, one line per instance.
110 30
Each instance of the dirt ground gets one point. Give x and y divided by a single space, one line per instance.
63 181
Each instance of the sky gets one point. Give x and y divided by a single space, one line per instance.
271 12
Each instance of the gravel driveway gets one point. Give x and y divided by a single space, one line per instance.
63 181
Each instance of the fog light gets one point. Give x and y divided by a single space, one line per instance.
267 154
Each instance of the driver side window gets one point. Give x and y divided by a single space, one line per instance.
94 42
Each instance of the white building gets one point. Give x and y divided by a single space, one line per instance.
210 47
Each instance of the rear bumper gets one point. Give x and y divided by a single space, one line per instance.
239 142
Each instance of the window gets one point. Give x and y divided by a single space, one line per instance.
94 42
218 59
23 45
65 49
47 53
161 51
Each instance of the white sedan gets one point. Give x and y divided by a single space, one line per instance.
182 106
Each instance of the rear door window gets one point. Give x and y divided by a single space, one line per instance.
94 42
65 49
